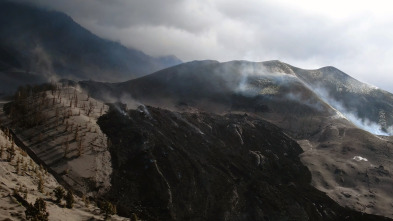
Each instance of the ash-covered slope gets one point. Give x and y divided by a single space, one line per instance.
294 100
372 106
353 166
58 124
23 181
219 87
50 44
199 166
272 86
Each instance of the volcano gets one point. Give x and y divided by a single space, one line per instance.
336 119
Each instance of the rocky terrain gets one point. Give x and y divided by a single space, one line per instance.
207 153
271 86
58 124
168 165
23 181
352 166
336 146
369 107
203 140
200 166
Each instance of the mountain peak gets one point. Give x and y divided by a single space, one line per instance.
329 68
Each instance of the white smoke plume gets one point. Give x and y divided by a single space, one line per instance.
261 73
351 116
264 77
44 63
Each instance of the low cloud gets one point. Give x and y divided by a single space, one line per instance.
356 39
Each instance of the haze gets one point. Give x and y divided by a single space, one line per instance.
353 36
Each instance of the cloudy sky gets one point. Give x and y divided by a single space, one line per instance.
354 36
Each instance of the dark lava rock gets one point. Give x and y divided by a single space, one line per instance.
200 166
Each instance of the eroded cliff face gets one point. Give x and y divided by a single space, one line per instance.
58 124
198 166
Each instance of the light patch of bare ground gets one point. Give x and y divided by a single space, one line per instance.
352 166
335 151
69 140
22 174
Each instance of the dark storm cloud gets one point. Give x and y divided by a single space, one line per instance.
128 13
252 30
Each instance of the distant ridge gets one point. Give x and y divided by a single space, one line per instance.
51 44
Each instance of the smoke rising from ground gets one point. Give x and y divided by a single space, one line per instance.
43 63
260 80
255 75
351 116
271 81
251 30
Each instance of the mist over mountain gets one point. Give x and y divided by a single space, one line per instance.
152 138
211 131
38 44
370 105
160 164
337 120
270 86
